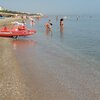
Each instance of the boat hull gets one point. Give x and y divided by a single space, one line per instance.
17 33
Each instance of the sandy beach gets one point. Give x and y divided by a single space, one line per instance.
12 85
41 68
15 83
49 50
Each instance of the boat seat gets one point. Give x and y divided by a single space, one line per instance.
5 29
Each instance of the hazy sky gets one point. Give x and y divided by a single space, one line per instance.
54 6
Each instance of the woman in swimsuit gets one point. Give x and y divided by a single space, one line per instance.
61 24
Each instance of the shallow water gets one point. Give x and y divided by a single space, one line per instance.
60 66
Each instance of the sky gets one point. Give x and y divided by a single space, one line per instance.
53 6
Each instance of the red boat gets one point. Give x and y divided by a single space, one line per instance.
5 32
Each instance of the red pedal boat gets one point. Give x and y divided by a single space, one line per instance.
5 32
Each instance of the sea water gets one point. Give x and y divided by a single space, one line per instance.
57 63
81 37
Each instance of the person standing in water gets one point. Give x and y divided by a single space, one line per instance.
56 18
32 21
61 25
48 26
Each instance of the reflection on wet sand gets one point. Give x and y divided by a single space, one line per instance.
61 34
12 85
23 43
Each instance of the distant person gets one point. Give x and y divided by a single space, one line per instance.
23 19
77 18
38 18
50 25
61 24
56 18
32 22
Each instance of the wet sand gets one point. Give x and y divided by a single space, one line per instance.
12 85
15 86
50 73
